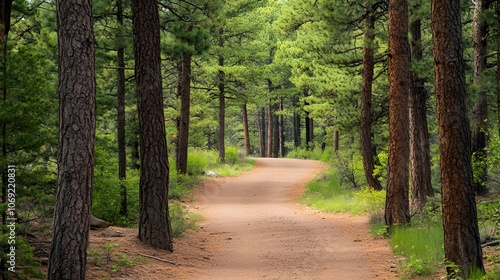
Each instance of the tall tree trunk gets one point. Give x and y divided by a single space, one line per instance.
419 134
335 141
185 96
222 103
262 132
269 130
134 144
296 123
366 103
68 252
480 125
154 221
122 155
281 127
5 11
397 203
461 235
309 130
246 134
276 132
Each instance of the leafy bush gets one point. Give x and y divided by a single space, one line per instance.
197 163
231 155
328 194
179 219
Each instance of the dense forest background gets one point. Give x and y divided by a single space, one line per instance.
305 79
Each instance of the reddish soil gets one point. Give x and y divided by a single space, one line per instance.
253 229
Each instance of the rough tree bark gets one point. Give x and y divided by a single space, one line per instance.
122 155
420 156
397 203
366 102
461 235
270 120
262 132
68 252
154 223
184 93
276 132
246 133
296 122
222 102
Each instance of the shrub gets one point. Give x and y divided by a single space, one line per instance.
197 163
231 155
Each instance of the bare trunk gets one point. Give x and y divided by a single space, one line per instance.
222 104
480 125
276 132
366 104
68 252
419 135
461 234
269 130
397 202
5 10
296 123
154 221
246 134
281 127
262 132
122 155
185 96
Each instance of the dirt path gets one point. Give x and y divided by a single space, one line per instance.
260 232
253 229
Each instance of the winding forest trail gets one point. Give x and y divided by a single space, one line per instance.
253 228
258 231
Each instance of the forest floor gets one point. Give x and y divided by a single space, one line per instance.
253 228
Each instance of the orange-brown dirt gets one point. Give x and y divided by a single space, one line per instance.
253 228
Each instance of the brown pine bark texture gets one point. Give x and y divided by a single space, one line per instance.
366 104
76 89
185 96
396 208
154 224
420 157
461 235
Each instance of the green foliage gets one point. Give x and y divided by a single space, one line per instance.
197 163
231 155
107 256
179 219
328 194
25 264
421 245
316 153
488 215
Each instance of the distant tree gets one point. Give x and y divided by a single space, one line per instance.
122 143
396 207
366 98
154 222
420 156
76 89
480 111
461 235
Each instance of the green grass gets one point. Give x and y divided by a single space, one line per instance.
422 246
327 194
231 170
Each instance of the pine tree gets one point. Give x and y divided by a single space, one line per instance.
154 223
68 252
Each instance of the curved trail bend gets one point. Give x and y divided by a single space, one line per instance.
256 229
